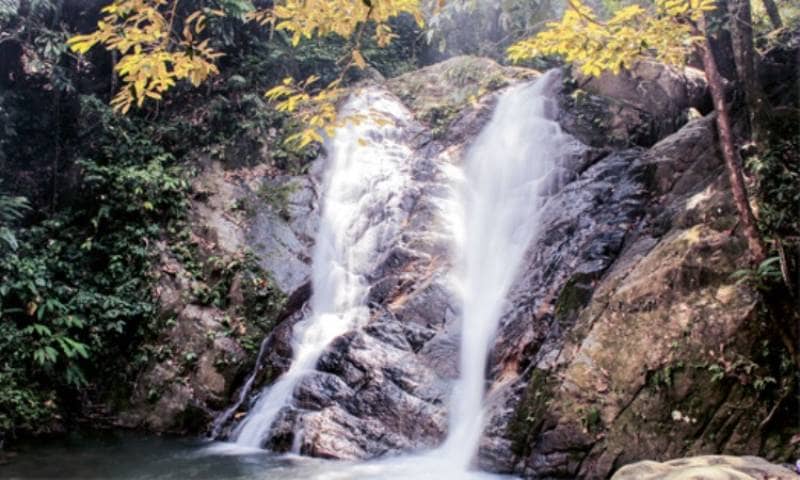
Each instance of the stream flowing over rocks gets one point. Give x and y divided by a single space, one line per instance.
622 300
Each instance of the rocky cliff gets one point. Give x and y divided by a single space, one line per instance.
625 336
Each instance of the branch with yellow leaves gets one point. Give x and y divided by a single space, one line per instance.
151 59
317 112
631 34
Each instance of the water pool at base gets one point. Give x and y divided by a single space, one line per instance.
128 456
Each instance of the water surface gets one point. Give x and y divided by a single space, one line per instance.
126 456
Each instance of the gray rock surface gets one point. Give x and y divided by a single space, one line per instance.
711 467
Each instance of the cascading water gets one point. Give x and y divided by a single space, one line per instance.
493 216
507 172
362 190
494 219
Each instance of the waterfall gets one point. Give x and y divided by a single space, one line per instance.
364 179
493 215
494 218
507 172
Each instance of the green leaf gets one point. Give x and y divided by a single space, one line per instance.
42 330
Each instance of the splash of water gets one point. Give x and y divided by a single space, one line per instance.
361 213
507 172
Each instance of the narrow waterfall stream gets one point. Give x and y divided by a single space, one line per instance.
364 180
507 171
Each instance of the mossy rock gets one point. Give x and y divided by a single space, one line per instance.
575 294
531 412
442 90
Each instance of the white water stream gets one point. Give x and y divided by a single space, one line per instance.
361 214
507 171
494 218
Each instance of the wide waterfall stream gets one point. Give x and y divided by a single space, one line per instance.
498 194
360 211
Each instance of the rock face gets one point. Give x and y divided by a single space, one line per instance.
625 336
199 361
706 468
647 368
648 103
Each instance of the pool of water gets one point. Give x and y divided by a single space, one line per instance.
128 456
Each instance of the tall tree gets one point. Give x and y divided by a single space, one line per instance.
773 13
741 27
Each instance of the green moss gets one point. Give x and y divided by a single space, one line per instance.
277 197
531 412
575 295
664 377
439 118
592 421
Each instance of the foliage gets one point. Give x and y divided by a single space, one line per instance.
34 25
11 210
151 59
319 18
71 297
763 277
778 187
154 56
632 33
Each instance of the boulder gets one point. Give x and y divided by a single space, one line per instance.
637 107
711 467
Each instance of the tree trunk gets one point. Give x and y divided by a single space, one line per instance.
729 153
774 15
720 41
745 57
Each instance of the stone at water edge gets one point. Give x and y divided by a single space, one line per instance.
713 467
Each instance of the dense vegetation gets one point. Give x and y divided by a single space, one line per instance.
87 193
